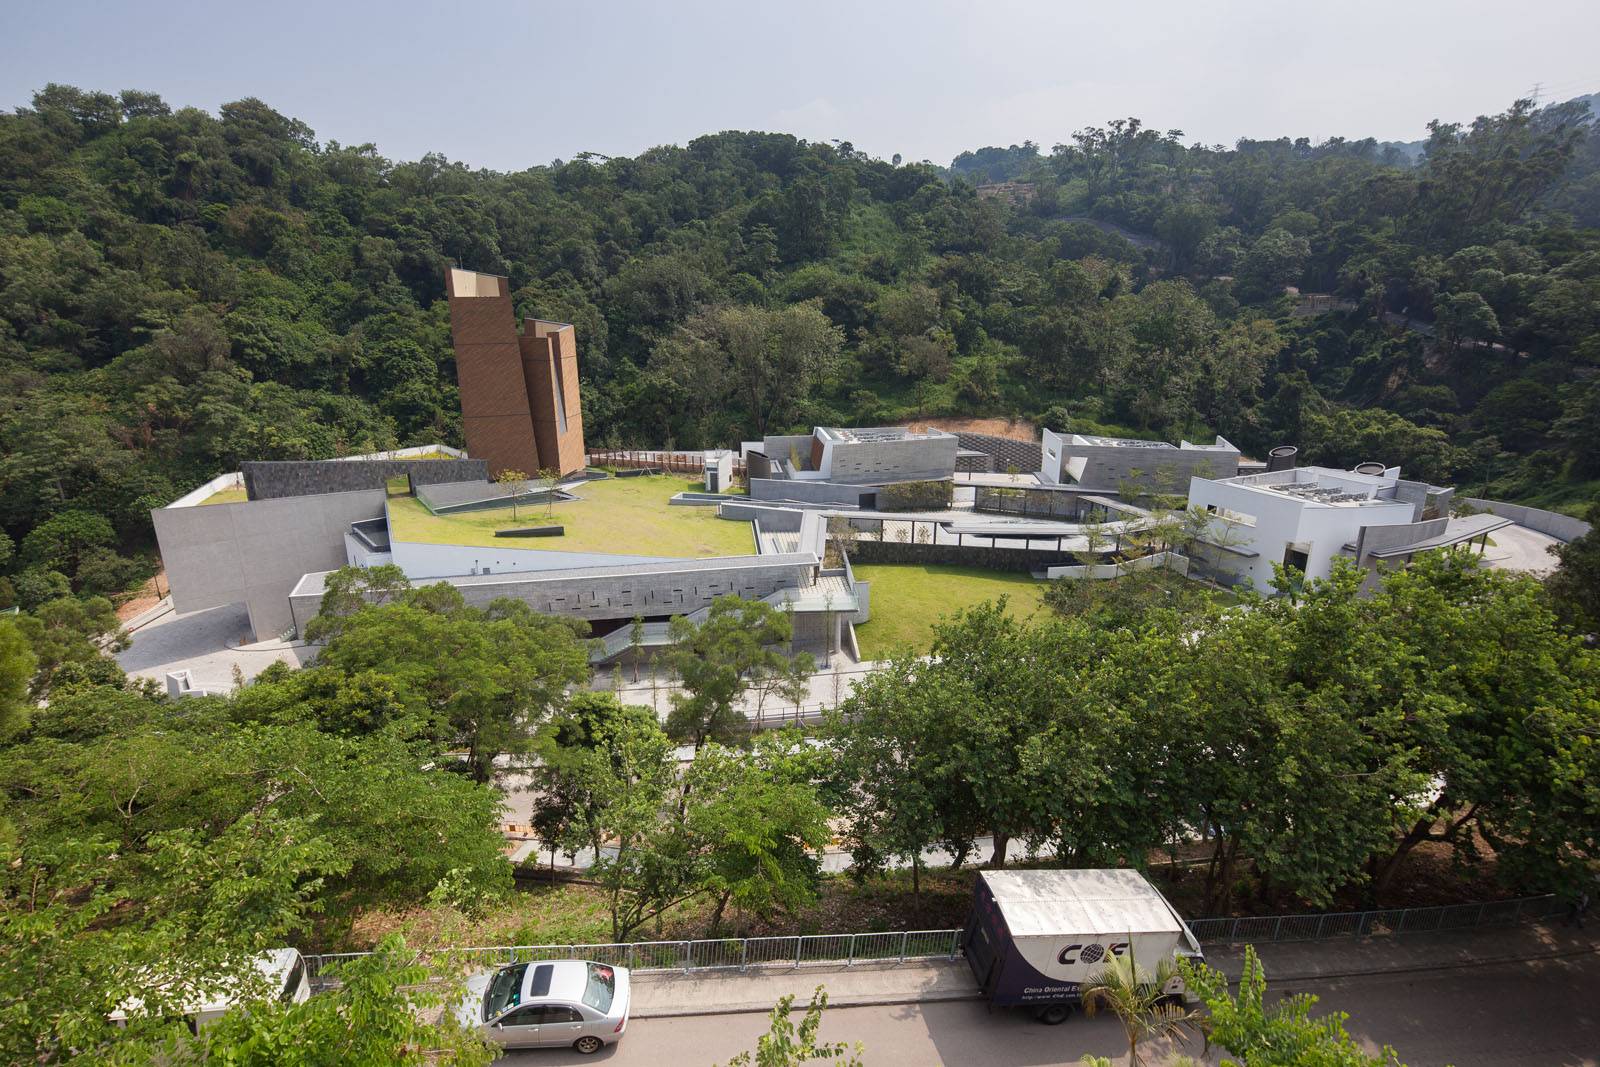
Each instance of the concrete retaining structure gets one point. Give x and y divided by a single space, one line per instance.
653 590
1006 452
256 550
1554 524
811 492
271 480
1103 571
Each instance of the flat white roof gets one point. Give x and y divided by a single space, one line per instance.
1099 901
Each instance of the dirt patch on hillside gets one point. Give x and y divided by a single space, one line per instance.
143 598
1015 429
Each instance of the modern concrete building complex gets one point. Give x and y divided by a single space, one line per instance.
1306 517
832 465
1108 464
269 535
520 408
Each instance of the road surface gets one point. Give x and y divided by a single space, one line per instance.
1542 1012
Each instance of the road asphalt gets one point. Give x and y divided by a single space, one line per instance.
758 989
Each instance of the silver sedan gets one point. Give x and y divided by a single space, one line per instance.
545 1005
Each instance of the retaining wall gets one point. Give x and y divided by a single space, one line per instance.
1103 571
271 480
653 590
1561 527
1026 456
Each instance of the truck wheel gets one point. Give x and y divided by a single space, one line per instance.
1053 1014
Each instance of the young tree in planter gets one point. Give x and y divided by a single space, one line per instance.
513 482
548 478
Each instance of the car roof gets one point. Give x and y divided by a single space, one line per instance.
567 980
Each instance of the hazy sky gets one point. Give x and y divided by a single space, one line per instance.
508 84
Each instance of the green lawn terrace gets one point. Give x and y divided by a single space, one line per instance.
908 598
613 516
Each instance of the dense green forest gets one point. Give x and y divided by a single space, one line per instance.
181 291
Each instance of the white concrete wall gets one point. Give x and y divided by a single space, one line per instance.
1280 521
1050 466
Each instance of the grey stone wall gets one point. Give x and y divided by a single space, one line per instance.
757 464
617 592
256 550
781 448
904 459
1168 470
1026 456
270 480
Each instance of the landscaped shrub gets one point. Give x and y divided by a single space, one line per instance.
915 496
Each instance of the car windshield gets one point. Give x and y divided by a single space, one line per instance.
505 990
600 988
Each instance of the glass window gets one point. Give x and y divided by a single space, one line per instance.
505 990
600 988
531 1015
291 985
561 1013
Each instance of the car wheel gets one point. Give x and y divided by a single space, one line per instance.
588 1043
1053 1014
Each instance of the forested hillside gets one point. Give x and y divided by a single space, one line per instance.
181 291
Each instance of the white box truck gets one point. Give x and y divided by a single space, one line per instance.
1032 937
287 979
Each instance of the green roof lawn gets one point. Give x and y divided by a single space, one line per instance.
907 599
627 516
224 496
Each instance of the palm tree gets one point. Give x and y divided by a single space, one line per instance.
1135 997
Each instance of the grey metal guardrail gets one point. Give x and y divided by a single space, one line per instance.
1266 929
741 953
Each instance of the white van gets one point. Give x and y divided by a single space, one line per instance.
286 974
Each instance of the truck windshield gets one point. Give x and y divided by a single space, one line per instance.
600 988
505 991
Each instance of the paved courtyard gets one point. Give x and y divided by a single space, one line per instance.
1517 548
209 643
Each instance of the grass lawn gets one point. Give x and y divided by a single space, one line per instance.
224 496
629 516
907 599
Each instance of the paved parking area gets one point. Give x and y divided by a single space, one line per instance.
1517 548
207 643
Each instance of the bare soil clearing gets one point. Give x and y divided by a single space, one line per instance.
129 605
1015 429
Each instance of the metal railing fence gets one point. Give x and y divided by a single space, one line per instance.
732 953
736 953
1265 929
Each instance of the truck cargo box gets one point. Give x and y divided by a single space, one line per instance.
1032 937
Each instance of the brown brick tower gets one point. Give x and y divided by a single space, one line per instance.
550 366
519 395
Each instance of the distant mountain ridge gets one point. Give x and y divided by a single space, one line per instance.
992 164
